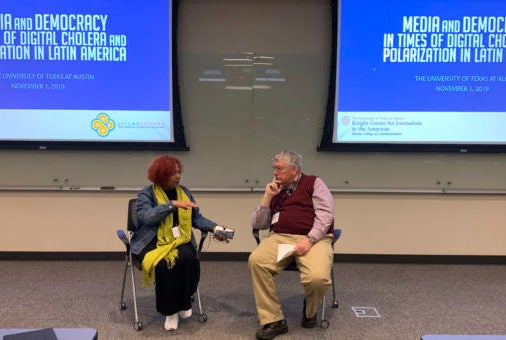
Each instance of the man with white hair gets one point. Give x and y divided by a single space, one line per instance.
299 210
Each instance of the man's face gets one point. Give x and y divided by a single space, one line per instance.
283 174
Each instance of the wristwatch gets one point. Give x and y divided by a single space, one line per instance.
312 240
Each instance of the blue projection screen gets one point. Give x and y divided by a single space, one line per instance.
87 73
418 75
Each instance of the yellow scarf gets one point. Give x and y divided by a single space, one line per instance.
166 245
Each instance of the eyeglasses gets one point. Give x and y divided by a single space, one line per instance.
280 168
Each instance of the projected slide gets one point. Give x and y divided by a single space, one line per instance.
431 71
86 70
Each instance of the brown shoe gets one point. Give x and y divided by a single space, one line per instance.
271 330
307 322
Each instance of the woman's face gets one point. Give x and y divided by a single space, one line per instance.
173 180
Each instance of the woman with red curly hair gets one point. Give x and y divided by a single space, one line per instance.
163 240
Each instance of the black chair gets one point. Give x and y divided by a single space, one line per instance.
131 262
324 323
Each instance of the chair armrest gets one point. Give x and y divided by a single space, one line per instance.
336 236
122 236
203 236
256 235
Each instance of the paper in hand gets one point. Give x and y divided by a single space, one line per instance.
285 250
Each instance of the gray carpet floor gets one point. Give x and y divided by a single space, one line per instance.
376 301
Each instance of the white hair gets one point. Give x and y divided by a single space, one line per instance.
291 158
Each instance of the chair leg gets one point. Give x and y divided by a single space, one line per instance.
202 315
324 323
335 304
122 304
137 324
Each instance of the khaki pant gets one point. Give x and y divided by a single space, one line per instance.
314 270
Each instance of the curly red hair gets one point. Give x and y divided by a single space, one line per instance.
162 167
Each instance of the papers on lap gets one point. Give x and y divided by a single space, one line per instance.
284 250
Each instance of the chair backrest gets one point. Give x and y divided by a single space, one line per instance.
132 214
336 236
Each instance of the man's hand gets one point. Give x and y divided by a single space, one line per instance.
302 247
273 188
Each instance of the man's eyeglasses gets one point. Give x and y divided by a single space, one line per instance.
280 168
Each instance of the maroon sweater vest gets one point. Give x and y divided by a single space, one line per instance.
296 211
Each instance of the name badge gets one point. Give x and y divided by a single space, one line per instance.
275 218
176 232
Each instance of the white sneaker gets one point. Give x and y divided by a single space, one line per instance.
171 322
185 314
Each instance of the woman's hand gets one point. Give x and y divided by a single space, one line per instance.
184 204
220 237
